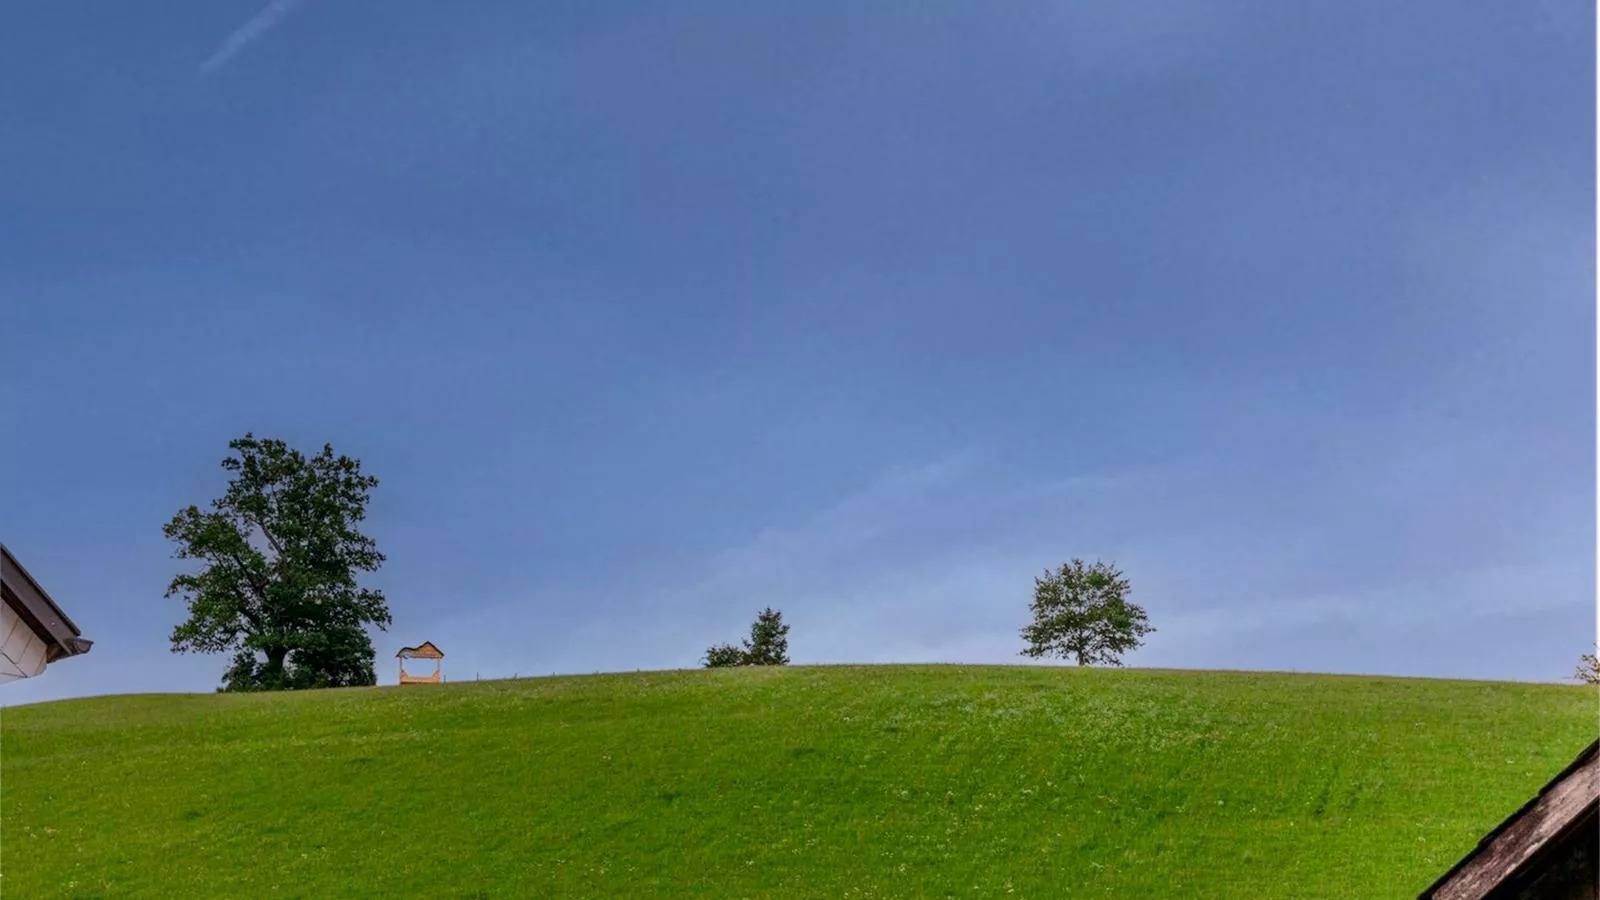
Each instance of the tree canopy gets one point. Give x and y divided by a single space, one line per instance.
279 557
768 645
1082 612
1588 669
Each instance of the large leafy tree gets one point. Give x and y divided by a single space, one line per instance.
279 558
1082 612
768 645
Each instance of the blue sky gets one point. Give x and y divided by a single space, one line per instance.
650 315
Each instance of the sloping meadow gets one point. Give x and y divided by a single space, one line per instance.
828 782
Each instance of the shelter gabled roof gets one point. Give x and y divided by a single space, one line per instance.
425 650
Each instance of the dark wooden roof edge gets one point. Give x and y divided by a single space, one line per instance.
70 647
41 613
416 652
12 562
1488 840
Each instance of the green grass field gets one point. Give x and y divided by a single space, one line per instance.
828 782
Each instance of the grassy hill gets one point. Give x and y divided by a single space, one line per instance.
828 782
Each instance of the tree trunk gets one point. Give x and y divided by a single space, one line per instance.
272 675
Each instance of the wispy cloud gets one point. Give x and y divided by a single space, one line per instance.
815 568
1470 593
1141 38
254 30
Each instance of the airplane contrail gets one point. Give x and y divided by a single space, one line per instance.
254 30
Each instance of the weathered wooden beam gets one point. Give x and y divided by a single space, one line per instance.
1507 856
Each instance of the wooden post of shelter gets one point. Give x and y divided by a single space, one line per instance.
425 651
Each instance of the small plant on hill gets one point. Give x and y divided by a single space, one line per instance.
768 645
279 556
722 656
1588 669
1082 612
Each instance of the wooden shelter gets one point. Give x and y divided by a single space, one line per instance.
1547 850
425 651
34 632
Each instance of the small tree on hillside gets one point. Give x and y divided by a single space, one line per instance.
1588 669
279 556
769 640
1082 612
722 656
768 645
